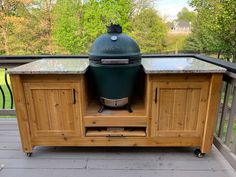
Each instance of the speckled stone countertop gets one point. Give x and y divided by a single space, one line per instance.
179 65
53 66
150 66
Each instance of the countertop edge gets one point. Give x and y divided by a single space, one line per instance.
48 72
146 71
182 71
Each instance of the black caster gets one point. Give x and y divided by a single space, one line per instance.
29 154
198 153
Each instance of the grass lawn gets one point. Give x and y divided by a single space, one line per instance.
175 41
5 89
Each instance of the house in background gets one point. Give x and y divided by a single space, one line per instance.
180 27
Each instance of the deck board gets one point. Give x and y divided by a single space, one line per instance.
104 162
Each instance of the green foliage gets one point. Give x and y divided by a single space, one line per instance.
69 27
149 30
175 42
66 27
99 14
186 15
214 27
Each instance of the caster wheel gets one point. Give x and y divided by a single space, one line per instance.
198 153
29 154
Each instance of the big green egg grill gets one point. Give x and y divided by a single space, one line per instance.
115 62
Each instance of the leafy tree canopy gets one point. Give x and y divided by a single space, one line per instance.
186 15
149 30
214 27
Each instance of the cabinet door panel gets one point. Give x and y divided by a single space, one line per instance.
54 109
180 107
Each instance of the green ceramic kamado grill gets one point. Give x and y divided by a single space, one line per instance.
115 61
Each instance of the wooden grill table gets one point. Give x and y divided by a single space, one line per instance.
175 104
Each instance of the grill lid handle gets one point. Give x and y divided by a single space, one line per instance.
114 28
115 61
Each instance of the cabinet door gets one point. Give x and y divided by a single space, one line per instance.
54 108
179 108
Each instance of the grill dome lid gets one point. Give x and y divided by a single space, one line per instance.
114 45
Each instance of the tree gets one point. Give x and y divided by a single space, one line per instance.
186 15
43 16
149 30
67 30
140 5
13 16
214 28
99 14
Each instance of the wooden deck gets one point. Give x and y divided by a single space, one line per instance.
104 162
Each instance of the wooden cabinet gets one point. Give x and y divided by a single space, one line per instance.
179 107
174 110
54 109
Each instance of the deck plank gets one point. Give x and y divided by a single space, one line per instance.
105 162
84 173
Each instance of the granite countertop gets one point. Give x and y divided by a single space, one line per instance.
179 65
150 66
53 66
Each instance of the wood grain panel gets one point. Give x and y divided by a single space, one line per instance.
115 121
21 113
178 109
181 106
211 113
192 107
166 113
53 109
118 141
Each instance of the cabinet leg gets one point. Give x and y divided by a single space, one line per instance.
101 108
129 108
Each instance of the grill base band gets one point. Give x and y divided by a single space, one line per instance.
114 102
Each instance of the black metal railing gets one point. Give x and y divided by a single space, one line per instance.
225 137
6 97
9 89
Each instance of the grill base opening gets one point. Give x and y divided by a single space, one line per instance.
115 131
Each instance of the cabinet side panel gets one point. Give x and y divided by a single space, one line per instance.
212 109
21 112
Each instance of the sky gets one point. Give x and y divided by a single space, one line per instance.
169 8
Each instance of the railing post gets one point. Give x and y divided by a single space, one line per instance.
224 110
234 145
231 119
3 97
9 88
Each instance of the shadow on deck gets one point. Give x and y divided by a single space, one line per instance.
104 162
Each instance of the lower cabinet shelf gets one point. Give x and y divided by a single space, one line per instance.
116 132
